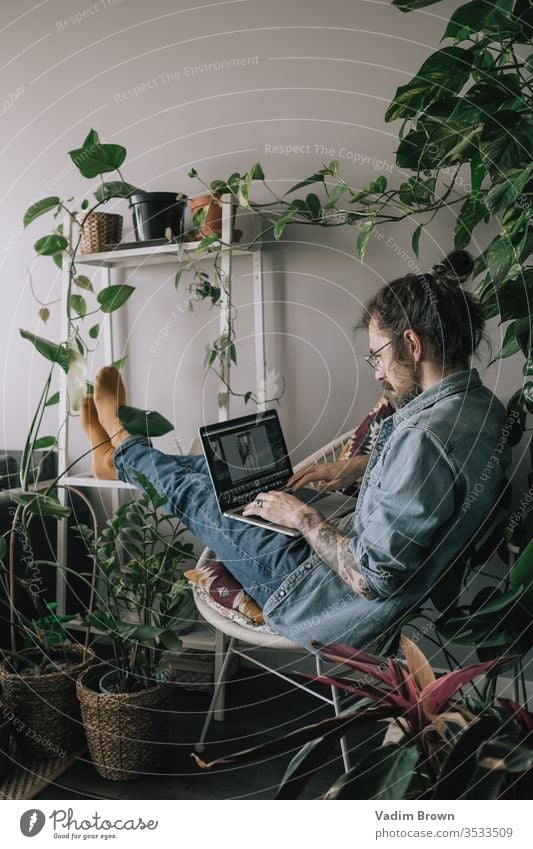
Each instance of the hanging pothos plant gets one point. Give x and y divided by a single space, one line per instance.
466 134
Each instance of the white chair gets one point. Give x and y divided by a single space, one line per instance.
242 639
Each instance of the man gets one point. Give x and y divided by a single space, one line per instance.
425 492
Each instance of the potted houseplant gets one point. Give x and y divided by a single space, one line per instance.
125 702
5 734
207 216
156 213
38 673
438 745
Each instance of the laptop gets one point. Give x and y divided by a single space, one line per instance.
248 455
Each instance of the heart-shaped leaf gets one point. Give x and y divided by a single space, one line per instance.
143 422
39 208
50 245
112 297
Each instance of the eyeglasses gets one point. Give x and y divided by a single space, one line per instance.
374 358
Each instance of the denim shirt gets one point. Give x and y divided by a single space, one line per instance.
433 476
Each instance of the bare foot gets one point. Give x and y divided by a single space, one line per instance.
103 451
109 395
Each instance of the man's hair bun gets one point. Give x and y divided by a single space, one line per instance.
455 269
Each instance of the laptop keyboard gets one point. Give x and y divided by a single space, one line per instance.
244 494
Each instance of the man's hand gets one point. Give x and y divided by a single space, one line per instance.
279 508
323 537
336 475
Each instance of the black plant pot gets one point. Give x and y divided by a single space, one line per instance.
156 212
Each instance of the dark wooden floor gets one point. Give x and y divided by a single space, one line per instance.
259 707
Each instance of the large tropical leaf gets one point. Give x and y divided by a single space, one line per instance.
435 696
143 423
521 578
445 72
506 141
49 350
460 764
39 208
338 726
384 773
95 158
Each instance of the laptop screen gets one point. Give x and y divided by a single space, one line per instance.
245 455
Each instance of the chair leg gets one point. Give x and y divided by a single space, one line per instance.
219 684
336 708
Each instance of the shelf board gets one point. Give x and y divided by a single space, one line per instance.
85 479
160 254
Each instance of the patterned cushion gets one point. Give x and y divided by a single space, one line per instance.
225 591
364 437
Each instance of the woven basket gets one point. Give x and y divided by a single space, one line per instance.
100 229
127 733
5 731
45 712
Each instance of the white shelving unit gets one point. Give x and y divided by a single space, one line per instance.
111 265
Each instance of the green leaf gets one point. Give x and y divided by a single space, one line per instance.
505 754
170 640
521 578
384 773
44 314
500 257
256 172
362 238
49 350
118 364
3 547
113 297
115 189
506 141
94 331
473 211
510 344
78 304
44 442
83 282
478 172
513 298
50 245
39 208
313 206
314 178
143 423
481 15
338 191
41 505
95 158
54 399
443 73
415 241
504 193
281 222
410 5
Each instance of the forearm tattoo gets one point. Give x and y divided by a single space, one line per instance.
334 549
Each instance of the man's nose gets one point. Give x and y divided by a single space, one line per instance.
379 373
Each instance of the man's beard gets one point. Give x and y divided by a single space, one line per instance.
412 389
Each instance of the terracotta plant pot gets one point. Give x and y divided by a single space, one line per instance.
213 216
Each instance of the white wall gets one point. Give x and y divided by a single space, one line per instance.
321 75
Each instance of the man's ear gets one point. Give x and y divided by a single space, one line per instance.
414 344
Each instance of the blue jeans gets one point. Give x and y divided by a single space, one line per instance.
258 558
